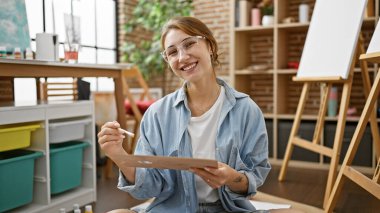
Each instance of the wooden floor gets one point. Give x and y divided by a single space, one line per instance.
308 186
301 185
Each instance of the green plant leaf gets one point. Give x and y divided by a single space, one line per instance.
151 15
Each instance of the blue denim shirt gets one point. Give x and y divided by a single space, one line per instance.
241 142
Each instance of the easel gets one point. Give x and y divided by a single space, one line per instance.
327 81
371 185
315 145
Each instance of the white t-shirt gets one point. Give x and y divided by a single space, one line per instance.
202 132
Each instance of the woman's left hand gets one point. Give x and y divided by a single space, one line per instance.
216 177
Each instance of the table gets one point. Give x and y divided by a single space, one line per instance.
36 69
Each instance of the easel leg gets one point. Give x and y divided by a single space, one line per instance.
322 113
376 175
338 137
367 111
372 120
295 127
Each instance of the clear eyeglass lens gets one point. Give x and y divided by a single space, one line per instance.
172 53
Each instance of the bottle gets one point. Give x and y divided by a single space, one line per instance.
77 211
62 210
3 52
17 53
333 102
88 209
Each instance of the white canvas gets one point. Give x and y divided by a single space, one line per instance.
332 38
374 45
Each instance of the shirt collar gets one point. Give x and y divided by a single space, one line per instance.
231 94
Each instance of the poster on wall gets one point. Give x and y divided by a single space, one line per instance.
14 30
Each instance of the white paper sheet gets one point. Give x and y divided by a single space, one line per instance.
260 205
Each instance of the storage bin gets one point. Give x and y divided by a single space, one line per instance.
66 165
67 130
16 178
15 136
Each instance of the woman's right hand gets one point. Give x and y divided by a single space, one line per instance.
110 139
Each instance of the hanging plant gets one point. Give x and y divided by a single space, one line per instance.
151 15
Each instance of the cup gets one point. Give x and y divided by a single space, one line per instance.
71 53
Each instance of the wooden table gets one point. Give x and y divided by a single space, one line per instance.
36 69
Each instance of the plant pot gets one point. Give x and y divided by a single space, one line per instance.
267 20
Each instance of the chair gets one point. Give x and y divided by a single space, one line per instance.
135 104
58 90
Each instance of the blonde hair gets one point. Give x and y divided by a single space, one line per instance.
194 27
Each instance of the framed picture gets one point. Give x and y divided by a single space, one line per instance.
14 29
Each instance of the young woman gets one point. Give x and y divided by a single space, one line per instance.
206 118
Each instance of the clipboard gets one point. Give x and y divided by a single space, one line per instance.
164 162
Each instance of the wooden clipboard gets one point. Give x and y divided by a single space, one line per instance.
163 162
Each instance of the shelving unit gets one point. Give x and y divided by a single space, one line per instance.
272 88
45 113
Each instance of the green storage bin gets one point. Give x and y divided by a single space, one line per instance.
66 165
16 178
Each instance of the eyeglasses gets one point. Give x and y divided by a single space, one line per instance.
172 53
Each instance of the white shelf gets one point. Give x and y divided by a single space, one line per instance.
43 113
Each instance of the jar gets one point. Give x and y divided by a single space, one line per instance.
3 52
17 53
28 54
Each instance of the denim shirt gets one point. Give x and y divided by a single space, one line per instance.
241 142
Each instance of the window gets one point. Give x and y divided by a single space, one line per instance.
98 34
97 20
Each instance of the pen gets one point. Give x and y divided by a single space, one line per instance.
128 133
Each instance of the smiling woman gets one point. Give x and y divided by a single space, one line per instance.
207 119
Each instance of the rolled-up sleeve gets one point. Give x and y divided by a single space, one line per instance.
254 150
251 157
149 182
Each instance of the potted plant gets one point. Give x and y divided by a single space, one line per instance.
267 9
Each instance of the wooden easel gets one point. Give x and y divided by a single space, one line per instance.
315 145
346 171
327 81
